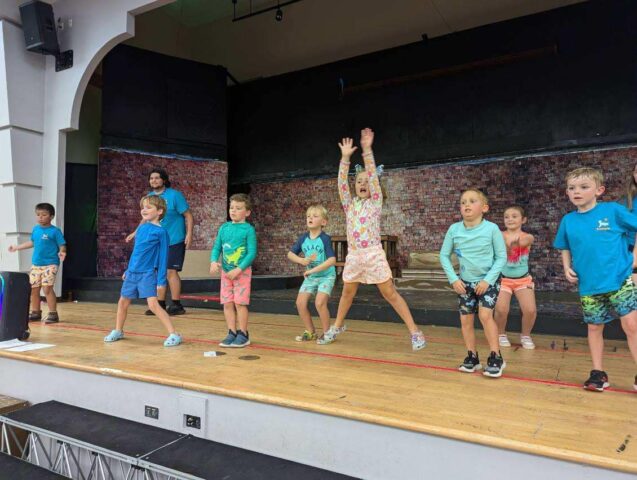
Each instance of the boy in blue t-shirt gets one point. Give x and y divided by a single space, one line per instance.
49 249
595 255
146 270
320 274
481 251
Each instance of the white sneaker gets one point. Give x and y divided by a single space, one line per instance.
331 334
418 341
527 342
503 340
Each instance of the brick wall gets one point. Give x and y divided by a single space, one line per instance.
422 203
123 180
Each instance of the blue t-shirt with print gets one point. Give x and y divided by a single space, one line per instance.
173 220
321 246
630 234
598 242
46 245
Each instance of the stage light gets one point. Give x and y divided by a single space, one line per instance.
279 15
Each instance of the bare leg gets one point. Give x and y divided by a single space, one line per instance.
468 331
161 294
526 298
35 300
490 328
344 304
230 315
51 300
596 344
122 311
395 299
321 307
501 313
301 305
160 313
629 324
242 317
174 282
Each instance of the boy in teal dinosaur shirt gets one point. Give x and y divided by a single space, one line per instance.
236 243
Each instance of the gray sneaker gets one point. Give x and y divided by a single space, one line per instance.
52 317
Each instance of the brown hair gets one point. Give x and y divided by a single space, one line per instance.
381 181
631 189
242 198
156 201
519 208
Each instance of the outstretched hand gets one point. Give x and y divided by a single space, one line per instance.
347 147
367 138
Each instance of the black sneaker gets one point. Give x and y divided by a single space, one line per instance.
162 304
495 365
176 309
149 312
471 363
52 317
635 384
597 382
34 316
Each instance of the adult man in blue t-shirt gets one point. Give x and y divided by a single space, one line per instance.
178 222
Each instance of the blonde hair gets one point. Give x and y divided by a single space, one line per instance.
317 207
592 173
631 189
480 193
242 198
156 201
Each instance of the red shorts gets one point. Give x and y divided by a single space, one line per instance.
236 291
512 285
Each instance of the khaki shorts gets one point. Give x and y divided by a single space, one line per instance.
43 276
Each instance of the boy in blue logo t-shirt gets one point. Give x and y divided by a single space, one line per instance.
320 274
593 240
49 249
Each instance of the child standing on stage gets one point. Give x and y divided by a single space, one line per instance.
320 274
236 242
49 249
516 279
630 201
593 240
146 270
481 251
366 261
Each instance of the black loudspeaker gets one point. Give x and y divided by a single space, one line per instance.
38 24
15 292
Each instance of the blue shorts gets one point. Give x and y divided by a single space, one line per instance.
139 285
318 284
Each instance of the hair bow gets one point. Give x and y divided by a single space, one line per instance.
380 169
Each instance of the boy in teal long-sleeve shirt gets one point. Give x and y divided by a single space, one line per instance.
481 251
236 243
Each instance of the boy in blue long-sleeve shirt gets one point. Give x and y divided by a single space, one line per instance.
146 270
481 251
236 243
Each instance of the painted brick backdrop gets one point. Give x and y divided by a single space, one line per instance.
123 180
422 203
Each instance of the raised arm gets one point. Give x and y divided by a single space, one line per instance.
347 149
367 140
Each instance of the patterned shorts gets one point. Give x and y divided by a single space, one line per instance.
598 309
318 284
512 285
366 265
43 276
470 302
236 291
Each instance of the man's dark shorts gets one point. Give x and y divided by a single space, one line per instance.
176 255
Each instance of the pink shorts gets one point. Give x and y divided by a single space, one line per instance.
366 265
236 291
511 285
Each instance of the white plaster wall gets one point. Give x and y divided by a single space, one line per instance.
22 157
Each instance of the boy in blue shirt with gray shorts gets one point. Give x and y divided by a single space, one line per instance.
594 244
320 274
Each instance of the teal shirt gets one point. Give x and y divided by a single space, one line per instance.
321 246
481 252
237 245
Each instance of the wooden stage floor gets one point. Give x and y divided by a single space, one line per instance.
370 374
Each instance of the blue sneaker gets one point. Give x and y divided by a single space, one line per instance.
114 336
227 342
241 340
173 340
